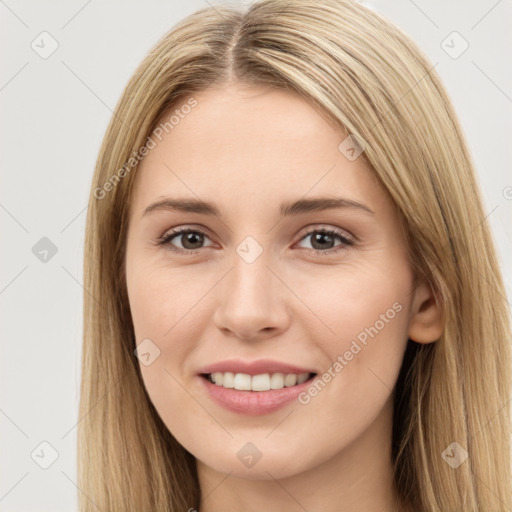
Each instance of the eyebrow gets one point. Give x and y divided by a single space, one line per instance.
286 208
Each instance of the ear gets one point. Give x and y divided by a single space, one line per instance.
426 321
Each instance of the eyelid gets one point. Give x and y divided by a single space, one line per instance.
187 227
307 230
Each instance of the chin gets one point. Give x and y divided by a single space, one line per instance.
268 463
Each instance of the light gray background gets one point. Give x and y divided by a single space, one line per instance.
54 113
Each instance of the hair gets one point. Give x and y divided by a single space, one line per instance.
373 82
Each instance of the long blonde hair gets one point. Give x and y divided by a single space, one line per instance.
364 74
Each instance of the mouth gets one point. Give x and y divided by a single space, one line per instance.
252 395
258 383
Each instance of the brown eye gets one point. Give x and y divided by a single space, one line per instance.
322 240
190 239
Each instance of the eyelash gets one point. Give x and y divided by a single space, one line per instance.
167 237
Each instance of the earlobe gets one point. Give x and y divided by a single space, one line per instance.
426 320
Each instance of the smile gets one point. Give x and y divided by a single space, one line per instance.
257 394
261 382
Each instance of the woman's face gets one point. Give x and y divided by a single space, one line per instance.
258 289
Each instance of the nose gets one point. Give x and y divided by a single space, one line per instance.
251 301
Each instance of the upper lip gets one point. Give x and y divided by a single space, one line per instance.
253 367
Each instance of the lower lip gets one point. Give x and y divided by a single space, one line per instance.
253 402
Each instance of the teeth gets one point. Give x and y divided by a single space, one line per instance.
242 381
262 382
228 380
218 378
290 380
303 377
277 381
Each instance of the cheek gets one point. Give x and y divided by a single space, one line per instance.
350 300
166 305
163 301
162 306
363 328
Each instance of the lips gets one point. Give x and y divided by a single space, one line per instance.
249 398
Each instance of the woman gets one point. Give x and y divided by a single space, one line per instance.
227 364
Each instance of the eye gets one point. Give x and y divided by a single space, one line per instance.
324 238
192 240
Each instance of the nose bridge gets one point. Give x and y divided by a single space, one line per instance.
250 277
249 300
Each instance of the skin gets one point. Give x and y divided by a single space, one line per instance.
247 149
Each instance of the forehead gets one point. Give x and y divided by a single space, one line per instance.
244 117
251 145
